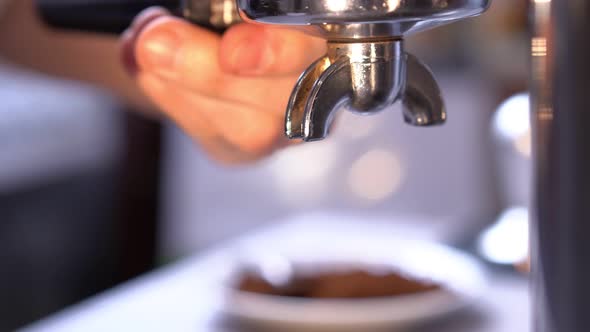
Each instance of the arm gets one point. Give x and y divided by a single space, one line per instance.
25 41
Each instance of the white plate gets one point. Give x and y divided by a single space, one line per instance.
461 276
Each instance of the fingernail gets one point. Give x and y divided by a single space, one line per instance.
129 37
148 15
160 49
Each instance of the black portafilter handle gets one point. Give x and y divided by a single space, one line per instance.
114 16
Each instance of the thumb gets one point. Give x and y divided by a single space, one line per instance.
256 50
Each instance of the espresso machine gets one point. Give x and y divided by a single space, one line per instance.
366 70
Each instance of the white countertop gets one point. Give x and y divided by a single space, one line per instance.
186 296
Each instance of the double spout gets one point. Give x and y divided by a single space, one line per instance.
365 78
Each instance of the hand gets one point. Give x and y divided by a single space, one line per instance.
227 92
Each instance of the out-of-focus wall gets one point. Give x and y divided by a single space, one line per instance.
369 166
51 128
60 146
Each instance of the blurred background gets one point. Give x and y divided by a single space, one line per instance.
92 193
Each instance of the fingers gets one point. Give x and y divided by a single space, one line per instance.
257 50
250 130
229 93
228 131
175 49
183 53
160 92
129 37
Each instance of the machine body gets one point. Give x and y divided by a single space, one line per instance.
560 221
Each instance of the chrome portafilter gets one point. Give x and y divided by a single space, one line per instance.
366 68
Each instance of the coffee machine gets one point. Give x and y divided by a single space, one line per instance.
366 69
560 210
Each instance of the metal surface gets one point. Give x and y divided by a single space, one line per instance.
217 13
363 78
366 69
561 128
423 104
361 18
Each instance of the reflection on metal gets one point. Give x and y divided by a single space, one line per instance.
335 5
366 69
297 102
539 47
542 118
361 19
219 14
422 98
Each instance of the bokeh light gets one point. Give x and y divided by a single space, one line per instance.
375 175
299 173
